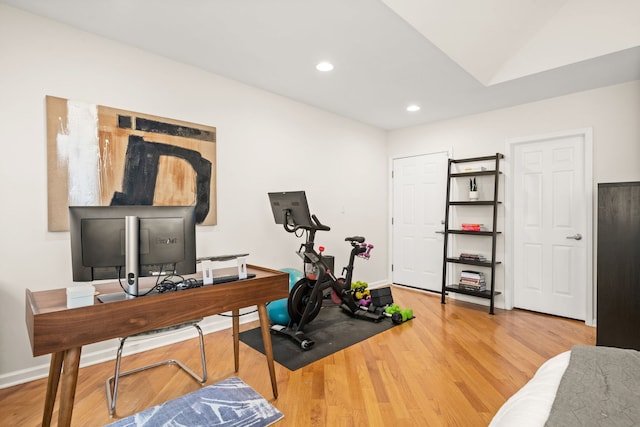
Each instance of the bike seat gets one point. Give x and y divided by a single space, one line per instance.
358 239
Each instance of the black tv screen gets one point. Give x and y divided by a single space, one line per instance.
166 240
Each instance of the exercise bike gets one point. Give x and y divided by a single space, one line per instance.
307 294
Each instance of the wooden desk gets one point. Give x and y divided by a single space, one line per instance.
55 329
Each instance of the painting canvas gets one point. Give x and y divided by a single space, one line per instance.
101 156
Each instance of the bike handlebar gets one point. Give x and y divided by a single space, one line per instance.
316 226
319 226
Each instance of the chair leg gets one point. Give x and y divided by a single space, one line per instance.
203 379
112 389
112 382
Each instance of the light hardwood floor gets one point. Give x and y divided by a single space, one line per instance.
453 365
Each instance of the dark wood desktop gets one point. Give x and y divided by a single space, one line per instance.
55 329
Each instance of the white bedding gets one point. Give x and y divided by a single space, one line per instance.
530 406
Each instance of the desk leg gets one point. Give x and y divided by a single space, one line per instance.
236 338
69 381
268 351
52 387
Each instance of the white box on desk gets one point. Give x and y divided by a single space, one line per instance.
80 296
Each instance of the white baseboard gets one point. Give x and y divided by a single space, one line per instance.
208 325
379 284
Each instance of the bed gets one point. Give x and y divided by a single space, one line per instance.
586 386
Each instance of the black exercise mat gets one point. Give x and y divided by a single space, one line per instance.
332 330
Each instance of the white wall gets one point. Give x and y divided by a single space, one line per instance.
612 112
265 143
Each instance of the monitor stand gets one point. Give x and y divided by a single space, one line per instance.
118 296
121 296
132 253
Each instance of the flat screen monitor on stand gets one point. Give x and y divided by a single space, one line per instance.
165 243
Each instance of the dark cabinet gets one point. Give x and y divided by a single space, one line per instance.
618 278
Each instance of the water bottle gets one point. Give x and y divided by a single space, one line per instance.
310 271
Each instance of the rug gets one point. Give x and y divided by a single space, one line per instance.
228 403
332 330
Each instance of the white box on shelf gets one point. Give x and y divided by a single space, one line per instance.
80 296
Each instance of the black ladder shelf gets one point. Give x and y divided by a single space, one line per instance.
491 263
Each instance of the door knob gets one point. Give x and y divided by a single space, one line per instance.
576 236
440 232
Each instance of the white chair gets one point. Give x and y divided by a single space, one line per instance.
112 382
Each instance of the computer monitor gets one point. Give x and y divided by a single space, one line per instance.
166 240
290 208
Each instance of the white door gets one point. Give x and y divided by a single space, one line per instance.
550 225
419 191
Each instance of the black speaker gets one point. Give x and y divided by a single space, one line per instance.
381 297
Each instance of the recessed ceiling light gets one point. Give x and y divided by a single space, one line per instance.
324 66
413 108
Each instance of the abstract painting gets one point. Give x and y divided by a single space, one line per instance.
102 156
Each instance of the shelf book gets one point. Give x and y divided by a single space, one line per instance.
472 280
465 256
473 227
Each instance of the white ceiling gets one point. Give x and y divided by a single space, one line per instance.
451 57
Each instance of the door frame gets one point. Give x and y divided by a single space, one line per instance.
449 153
587 136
